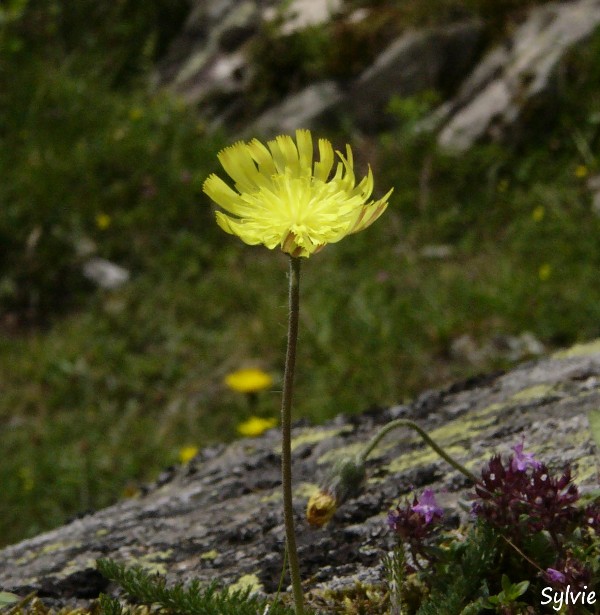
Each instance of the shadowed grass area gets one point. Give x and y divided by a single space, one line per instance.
101 389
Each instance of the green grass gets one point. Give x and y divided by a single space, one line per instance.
100 389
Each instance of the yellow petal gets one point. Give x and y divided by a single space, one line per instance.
255 426
325 164
305 149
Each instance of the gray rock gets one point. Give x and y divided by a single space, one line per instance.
501 346
517 76
219 518
307 109
208 64
206 59
299 14
104 273
436 58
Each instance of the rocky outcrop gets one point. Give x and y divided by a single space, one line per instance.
314 106
430 59
220 516
516 77
209 66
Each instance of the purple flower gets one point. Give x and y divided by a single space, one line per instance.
555 576
427 506
412 524
526 500
521 461
569 571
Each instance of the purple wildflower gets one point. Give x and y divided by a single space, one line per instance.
569 571
531 500
412 524
427 506
555 576
521 461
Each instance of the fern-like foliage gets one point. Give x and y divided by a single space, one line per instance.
142 587
110 606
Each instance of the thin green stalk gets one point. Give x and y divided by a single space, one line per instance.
411 425
286 429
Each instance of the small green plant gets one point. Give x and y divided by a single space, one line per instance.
507 600
151 589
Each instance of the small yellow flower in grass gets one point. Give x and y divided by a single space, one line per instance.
544 272
581 171
282 199
136 113
249 380
255 426
131 490
187 453
538 213
27 478
103 221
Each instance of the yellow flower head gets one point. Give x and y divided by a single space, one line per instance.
538 213
545 271
320 508
103 221
282 199
249 380
255 426
187 453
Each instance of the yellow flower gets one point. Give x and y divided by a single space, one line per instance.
320 508
545 271
581 171
103 221
135 114
255 426
250 380
282 199
187 453
538 213
27 478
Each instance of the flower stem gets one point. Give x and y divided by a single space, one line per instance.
412 425
286 428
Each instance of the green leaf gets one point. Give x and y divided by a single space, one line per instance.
7 598
518 589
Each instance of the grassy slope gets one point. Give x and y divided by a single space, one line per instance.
108 390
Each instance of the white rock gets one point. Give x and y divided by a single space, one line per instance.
104 273
301 110
513 77
300 14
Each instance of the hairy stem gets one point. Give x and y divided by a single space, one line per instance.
286 425
412 425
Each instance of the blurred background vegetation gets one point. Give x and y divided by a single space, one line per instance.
101 389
